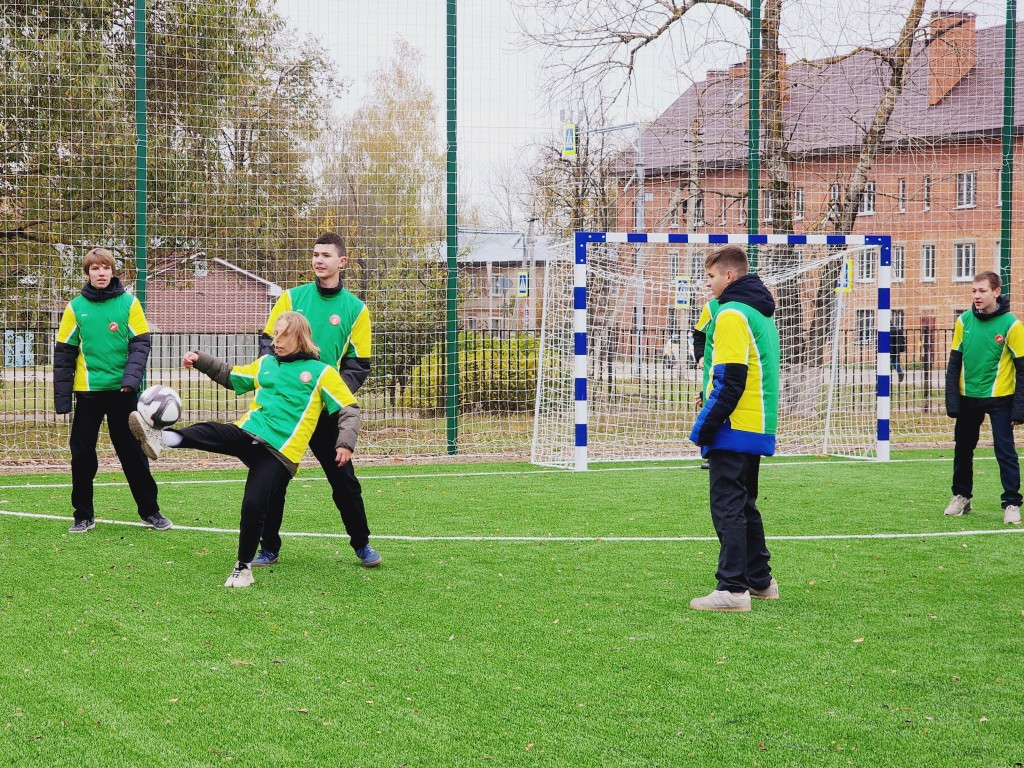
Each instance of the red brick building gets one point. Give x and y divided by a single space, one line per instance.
934 186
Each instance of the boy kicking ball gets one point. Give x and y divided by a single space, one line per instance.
292 388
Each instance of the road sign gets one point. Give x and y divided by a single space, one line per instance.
524 284
569 142
684 292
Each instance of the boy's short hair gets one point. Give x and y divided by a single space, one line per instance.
993 280
297 326
728 257
98 256
333 238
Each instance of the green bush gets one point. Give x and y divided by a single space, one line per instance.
495 374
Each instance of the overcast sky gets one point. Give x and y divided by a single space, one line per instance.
501 108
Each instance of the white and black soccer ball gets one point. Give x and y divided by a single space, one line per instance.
159 406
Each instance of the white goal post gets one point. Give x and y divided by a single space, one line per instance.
616 376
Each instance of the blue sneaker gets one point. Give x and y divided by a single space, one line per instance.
263 558
368 556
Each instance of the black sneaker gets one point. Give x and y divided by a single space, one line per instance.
81 526
158 522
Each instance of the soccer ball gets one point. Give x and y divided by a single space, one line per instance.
160 406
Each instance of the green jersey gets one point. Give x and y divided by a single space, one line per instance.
989 346
340 321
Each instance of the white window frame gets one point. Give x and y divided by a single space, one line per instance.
901 195
927 193
866 265
798 204
928 262
698 211
867 200
899 262
769 205
961 247
743 210
864 327
967 189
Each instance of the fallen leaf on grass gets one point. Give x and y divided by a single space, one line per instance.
858 639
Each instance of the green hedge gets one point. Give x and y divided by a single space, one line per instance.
495 374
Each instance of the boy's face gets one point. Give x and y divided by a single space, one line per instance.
327 263
100 275
285 343
718 279
984 296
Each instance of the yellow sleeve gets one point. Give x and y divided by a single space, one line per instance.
732 339
359 341
67 331
705 317
282 305
334 391
958 335
137 324
1015 339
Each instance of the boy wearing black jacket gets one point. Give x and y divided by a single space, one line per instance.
99 360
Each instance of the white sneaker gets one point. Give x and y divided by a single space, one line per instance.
958 506
720 600
240 577
1011 515
152 441
771 592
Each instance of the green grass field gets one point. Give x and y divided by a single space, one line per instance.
511 625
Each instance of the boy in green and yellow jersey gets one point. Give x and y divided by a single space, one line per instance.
293 390
736 426
985 375
341 329
99 361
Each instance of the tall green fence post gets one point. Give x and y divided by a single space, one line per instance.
452 236
141 152
754 129
1009 132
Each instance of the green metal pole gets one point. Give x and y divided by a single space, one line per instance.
754 130
452 236
1006 171
141 152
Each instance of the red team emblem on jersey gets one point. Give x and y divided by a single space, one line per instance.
305 377
113 327
999 338
335 320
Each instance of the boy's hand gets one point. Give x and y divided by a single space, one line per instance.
127 389
189 359
343 455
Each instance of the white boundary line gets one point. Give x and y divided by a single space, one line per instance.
498 473
552 539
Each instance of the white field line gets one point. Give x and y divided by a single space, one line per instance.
552 539
498 473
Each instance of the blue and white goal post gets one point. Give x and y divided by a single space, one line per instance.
883 243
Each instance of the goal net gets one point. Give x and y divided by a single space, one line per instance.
618 380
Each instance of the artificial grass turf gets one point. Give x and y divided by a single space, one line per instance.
881 652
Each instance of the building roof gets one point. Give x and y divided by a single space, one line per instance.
828 108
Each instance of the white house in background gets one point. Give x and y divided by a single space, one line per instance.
501 279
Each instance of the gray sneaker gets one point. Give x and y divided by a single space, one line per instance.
1011 514
771 592
720 600
158 522
958 506
152 441
81 526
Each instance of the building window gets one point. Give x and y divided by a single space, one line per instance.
964 259
967 189
867 260
673 265
798 204
495 323
928 263
743 211
769 200
901 196
698 211
867 200
865 320
674 219
500 285
927 193
725 213
899 262
471 324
